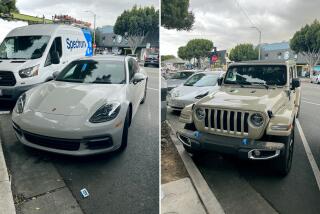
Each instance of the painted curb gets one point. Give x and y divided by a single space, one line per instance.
207 197
6 198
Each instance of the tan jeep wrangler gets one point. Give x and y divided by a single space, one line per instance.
252 115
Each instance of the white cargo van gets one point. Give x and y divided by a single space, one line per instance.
31 55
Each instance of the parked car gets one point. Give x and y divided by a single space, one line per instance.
196 87
30 55
252 115
316 79
178 78
134 56
86 110
151 59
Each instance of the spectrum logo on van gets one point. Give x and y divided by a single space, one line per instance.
71 44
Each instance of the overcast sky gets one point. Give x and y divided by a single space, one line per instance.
223 22
107 10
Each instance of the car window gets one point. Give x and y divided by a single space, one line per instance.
55 47
131 68
202 80
91 71
181 75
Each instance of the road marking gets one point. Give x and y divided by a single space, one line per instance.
156 89
4 112
311 159
317 104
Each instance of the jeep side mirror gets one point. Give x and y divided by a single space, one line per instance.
295 83
55 59
220 79
55 74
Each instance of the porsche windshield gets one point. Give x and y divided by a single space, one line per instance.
266 75
90 71
23 47
202 80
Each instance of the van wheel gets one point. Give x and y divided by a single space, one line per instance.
284 162
145 93
124 141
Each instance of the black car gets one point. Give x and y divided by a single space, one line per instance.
151 59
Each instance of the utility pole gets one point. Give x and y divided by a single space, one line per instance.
259 31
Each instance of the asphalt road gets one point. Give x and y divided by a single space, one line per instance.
117 183
251 187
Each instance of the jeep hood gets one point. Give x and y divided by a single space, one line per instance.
250 99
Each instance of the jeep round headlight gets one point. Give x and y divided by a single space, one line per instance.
200 113
256 119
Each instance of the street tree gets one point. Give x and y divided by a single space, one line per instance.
175 14
306 41
167 57
135 24
7 6
198 49
243 52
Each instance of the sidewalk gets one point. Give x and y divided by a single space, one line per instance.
180 197
6 199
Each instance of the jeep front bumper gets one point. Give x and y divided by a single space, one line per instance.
242 147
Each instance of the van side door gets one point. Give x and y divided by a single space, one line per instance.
54 58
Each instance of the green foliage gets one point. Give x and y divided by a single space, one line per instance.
138 21
196 48
307 39
7 6
175 15
167 57
243 52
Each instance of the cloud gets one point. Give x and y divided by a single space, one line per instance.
226 25
107 11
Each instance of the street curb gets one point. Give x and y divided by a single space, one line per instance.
6 198
207 197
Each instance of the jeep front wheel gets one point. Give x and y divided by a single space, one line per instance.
284 162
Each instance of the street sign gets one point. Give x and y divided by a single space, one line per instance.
214 58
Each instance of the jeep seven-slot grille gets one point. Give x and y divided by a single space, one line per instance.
7 78
232 122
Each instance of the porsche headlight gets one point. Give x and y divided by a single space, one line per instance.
106 113
257 119
200 113
29 72
20 103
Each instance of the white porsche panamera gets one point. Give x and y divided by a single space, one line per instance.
86 110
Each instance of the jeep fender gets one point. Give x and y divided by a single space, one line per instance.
283 118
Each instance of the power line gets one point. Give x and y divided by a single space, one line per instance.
244 12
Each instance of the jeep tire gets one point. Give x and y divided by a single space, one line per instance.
284 162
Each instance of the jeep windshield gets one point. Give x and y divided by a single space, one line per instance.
256 75
23 47
91 71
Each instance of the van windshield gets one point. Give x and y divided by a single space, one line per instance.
23 47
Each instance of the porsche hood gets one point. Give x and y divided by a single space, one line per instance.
71 99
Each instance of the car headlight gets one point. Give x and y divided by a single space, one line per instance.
256 119
29 72
106 113
20 103
200 113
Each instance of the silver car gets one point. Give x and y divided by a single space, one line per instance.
86 110
178 78
196 87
